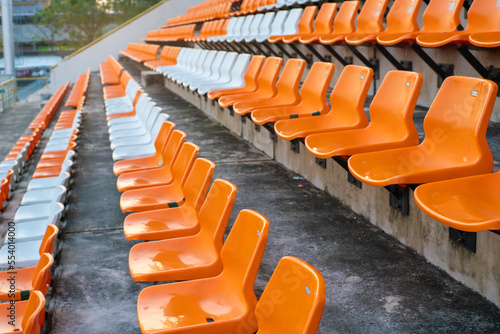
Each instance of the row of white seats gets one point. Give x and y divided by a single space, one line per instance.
204 70
42 204
133 136
260 27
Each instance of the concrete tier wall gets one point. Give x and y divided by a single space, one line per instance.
480 271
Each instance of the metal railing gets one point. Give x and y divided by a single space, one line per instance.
8 91
17 89
28 86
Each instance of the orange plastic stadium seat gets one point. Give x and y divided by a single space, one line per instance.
177 171
189 257
141 52
168 57
323 25
110 71
172 222
79 89
27 280
468 204
29 315
288 90
439 16
167 147
172 195
59 154
442 37
117 90
391 122
301 304
305 25
401 22
221 304
251 77
313 97
369 22
343 24
266 84
454 146
484 24
346 112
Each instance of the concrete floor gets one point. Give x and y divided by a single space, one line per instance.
373 283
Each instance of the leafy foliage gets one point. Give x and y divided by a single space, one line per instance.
86 20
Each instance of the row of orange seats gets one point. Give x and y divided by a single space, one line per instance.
34 228
110 71
171 34
14 163
441 24
141 52
342 130
182 218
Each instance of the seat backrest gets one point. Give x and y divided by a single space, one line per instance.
153 118
230 27
47 244
442 16
370 17
166 52
324 20
240 67
172 147
253 30
237 27
269 74
196 186
265 27
253 71
315 88
145 112
483 16
305 24
301 291
216 209
34 314
344 22
289 80
245 28
348 97
456 123
185 59
42 274
209 59
115 65
216 65
402 17
125 78
391 110
278 23
227 66
223 28
198 61
291 24
156 128
242 251
184 161
163 135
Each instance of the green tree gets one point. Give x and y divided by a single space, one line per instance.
86 20
126 9
82 20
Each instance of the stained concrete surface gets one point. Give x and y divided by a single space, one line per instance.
373 283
